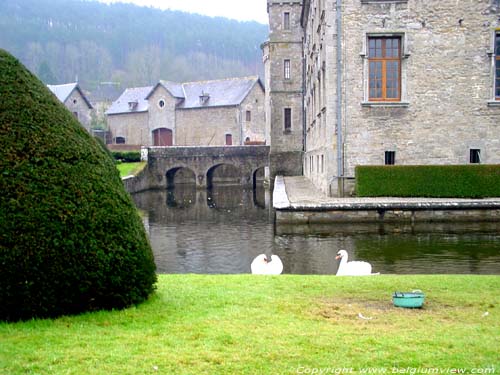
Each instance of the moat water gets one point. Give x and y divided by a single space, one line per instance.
220 231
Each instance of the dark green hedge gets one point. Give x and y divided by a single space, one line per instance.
459 181
71 239
127 156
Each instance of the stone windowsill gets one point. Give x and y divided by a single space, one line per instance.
386 104
494 103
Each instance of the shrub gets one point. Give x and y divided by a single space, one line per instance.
71 239
127 156
459 181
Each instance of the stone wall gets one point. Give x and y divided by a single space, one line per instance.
77 105
255 128
446 105
161 116
284 87
208 126
132 126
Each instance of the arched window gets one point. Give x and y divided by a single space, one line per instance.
120 140
162 137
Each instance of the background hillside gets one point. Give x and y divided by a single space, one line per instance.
60 40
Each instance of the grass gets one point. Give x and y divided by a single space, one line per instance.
127 169
244 324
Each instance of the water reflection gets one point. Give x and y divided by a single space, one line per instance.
221 230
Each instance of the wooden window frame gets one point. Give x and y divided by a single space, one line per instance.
248 116
228 139
384 60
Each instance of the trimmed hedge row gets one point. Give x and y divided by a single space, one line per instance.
71 239
127 156
451 181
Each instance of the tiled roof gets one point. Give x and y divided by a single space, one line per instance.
62 92
225 92
174 88
132 95
219 93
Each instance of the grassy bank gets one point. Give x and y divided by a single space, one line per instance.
127 169
244 324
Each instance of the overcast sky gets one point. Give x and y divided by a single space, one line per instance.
241 10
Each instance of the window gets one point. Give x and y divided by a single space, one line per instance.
120 140
288 119
161 103
475 156
390 157
229 140
75 114
287 69
286 20
248 116
497 65
384 68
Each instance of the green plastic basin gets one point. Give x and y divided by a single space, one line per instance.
411 300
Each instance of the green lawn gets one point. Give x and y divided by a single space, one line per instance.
127 169
244 324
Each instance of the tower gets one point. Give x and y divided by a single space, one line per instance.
283 64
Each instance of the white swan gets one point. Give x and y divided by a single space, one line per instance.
352 268
263 265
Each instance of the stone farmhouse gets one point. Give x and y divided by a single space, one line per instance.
75 100
401 82
208 113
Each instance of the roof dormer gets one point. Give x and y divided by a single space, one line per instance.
204 97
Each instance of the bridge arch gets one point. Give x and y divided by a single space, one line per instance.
224 174
180 175
258 176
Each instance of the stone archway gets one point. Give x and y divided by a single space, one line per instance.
258 177
223 174
180 175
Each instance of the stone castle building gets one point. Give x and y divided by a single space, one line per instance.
401 82
208 113
75 101
284 84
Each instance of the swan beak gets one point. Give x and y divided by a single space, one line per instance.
338 257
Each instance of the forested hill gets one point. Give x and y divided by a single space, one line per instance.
60 40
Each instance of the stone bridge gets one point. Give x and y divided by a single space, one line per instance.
166 166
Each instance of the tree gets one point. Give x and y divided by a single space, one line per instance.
45 74
71 238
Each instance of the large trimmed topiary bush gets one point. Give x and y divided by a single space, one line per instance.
70 237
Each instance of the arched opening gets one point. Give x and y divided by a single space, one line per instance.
258 177
180 176
223 174
162 137
120 140
259 191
